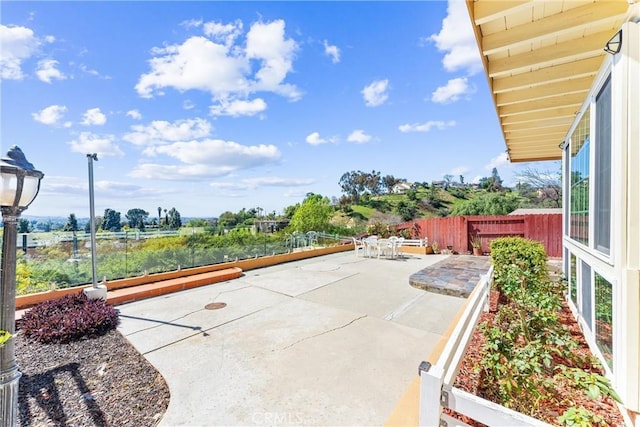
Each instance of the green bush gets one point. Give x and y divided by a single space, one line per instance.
526 255
526 343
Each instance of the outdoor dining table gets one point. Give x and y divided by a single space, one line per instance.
381 247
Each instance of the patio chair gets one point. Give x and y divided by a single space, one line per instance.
399 243
371 246
389 248
359 246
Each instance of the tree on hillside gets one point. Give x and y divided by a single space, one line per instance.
489 204
448 179
540 187
137 218
389 181
352 184
197 222
290 210
357 183
111 220
374 183
492 183
407 210
72 223
175 222
24 226
312 215
433 197
227 219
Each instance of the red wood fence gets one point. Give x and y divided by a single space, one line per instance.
456 231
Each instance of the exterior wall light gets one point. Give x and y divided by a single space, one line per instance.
19 186
614 45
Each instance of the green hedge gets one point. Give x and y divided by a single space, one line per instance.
527 255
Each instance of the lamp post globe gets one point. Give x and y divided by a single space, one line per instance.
19 186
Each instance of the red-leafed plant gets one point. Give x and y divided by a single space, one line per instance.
67 319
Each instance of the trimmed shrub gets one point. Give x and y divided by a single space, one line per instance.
67 319
523 254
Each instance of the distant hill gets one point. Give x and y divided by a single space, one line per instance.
419 202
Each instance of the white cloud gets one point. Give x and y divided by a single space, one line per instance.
50 115
161 132
315 139
254 183
191 23
116 187
104 146
501 159
456 38
267 43
47 70
426 127
332 51
359 137
179 172
459 170
94 117
376 93
453 91
205 159
134 114
225 33
295 194
225 66
239 108
18 44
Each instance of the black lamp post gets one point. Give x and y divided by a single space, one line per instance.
20 183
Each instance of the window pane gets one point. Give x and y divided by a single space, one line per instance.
604 318
566 188
602 213
580 180
573 289
585 294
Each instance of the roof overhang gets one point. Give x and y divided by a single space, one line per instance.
540 58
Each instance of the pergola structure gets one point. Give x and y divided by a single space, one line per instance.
541 58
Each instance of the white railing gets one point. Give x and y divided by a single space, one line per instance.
415 242
436 381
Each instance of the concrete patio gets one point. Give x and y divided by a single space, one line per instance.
332 340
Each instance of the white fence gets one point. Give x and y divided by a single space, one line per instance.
33 240
436 382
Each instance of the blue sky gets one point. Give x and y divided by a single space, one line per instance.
216 106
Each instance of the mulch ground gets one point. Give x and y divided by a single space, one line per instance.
102 381
469 379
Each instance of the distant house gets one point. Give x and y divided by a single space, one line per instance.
271 225
401 188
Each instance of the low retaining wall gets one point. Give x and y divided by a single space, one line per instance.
26 301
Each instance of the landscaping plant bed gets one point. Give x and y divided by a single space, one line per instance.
565 395
100 381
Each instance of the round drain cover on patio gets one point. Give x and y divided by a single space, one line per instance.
215 305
